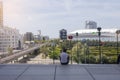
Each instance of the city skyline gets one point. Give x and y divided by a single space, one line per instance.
50 16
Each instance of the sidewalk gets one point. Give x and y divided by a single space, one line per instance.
59 72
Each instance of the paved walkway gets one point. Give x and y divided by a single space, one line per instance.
40 60
59 72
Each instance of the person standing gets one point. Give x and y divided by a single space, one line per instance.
64 57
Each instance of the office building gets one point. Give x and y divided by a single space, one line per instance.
28 36
63 34
90 25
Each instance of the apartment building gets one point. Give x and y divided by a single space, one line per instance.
10 37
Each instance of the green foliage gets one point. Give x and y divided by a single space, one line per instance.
75 58
10 50
44 50
36 52
108 50
92 59
36 41
89 49
105 59
54 53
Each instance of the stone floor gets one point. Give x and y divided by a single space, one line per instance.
59 72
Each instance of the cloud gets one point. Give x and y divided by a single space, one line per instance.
59 13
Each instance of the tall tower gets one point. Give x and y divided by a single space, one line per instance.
91 25
1 14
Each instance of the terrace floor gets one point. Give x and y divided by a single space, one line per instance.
59 72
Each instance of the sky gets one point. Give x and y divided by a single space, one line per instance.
50 16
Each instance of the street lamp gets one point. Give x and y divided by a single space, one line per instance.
70 38
53 46
85 51
117 33
61 44
77 47
99 34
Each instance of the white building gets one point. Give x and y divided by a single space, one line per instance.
92 34
10 37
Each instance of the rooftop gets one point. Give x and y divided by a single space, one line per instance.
60 72
94 31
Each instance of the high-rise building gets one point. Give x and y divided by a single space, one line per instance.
90 25
63 34
9 37
28 36
1 14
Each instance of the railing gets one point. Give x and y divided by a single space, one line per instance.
19 54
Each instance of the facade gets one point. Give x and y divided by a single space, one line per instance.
90 25
63 34
92 34
10 38
28 36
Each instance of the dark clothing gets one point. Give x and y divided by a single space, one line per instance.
66 62
118 59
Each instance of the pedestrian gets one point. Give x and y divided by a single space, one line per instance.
64 57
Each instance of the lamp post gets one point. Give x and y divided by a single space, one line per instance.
70 38
117 33
85 52
99 34
53 46
61 44
77 48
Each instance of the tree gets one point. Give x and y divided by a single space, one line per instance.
77 51
10 50
54 52
44 50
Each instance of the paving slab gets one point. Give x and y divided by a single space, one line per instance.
104 72
59 72
39 72
11 72
72 72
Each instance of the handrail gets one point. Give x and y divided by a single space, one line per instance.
19 54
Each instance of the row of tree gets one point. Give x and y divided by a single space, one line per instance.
82 51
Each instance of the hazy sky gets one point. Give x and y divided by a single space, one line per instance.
50 16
